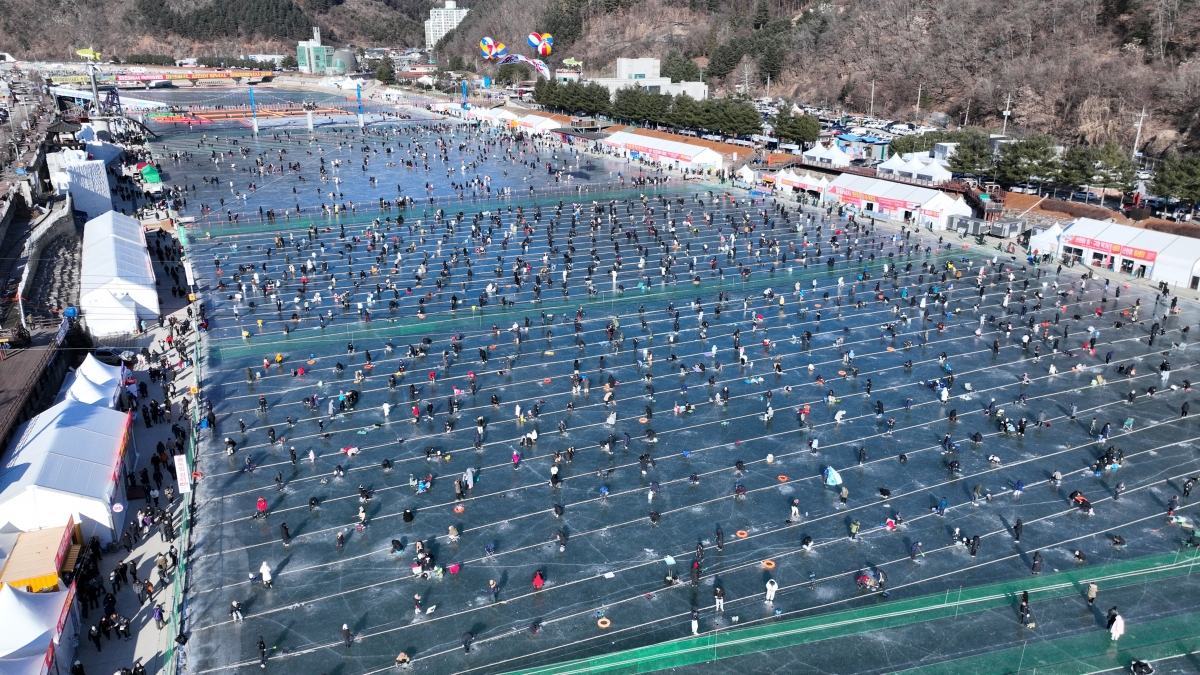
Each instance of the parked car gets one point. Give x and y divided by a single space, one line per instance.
1084 196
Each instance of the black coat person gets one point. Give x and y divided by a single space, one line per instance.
1037 562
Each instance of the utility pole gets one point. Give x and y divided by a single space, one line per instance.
872 113
768 85
967 114
919 97
1138 139
1006 112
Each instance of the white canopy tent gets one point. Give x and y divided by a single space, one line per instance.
67 462
892 165
108 314
116 266
746 174
1046 241
40 631
31 622
94 383
934 173
911 168
805 181
837 157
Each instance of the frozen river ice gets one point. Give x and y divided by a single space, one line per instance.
613 561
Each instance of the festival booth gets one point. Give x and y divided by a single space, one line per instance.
94 383
40 631
39 560
897 201
685 153
543 122
116 275
805 182
69 463
746 174
1133 251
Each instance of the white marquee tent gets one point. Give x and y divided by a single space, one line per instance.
40 631
934 173
67 462
892 165
831 155
94 383
116 276
31 621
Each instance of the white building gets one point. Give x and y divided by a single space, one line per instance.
1131 251
442 21
898 201
645 73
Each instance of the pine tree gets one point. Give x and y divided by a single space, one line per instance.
762 14
385 72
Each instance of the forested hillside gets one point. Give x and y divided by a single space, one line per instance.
1080 70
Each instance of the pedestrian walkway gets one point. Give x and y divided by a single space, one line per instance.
151 639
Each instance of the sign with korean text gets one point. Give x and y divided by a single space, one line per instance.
1114 249
182 475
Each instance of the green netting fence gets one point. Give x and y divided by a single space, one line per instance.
791 633
175 655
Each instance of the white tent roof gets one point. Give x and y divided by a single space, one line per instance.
682 151
935 173
31 621
815 153
893 164
912 167
109 315
746 173
1046 241
88 392
837 157
114 249
876 190
72 448
30 665
101 373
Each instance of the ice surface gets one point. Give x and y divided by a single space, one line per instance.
318 587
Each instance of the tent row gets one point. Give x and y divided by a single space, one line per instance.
913 168
829 155
516 118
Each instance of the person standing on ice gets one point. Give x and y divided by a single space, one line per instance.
772 587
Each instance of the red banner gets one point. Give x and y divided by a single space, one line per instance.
65 544
1114 249
66 611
